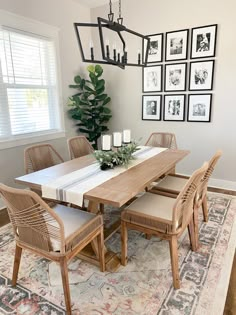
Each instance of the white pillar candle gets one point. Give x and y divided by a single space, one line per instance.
106 142
117 138
126 136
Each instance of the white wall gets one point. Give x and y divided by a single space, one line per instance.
61 14
125 86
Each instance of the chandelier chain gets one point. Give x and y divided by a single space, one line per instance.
119 8
110 3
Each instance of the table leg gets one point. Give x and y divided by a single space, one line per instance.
90 253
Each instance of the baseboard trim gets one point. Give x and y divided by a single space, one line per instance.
222 191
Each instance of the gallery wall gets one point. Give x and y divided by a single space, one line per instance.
60 14
125 86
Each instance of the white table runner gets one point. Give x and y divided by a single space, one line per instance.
71 187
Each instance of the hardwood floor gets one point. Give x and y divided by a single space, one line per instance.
230 305
4 219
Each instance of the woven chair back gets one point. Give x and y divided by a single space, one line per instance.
34 222
184 203
162 139
40 156
202 189
79 146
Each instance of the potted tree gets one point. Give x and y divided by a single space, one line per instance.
89 105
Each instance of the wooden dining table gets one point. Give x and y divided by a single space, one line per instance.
117 191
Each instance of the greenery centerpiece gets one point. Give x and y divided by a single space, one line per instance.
89 104
122 156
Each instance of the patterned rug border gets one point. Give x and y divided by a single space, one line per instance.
222 288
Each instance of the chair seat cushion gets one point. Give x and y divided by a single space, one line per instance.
171 183
150 210
78 225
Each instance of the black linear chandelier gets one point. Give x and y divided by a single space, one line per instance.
112 56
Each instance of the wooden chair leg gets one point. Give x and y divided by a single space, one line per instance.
192 235
101 251
16 266
174 261
124 240
196 229
65 283
205 209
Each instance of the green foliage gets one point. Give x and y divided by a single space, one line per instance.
122 156
105 157
89 104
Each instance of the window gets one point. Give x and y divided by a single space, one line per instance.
29 103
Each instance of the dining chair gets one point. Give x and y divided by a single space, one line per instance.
174 183
164 217
79 146
40 156
57 233
162 139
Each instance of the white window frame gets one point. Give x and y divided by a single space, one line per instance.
32 26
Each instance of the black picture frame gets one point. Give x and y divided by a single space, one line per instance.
156 44
152 78
203 41
201 75
174 48
175 78
199 107
174 107
151 113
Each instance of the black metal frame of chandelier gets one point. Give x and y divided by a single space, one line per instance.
117 28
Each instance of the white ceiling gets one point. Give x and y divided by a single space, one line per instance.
94 3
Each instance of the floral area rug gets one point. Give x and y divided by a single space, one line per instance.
144 286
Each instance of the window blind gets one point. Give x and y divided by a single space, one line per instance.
28 85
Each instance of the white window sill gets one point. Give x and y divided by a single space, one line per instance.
30 139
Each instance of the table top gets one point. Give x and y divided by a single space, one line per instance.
118 190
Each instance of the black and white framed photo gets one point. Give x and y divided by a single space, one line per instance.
203 41
151 107
174 107
152 79
199 107
175 77
177 45
155 52
201 75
